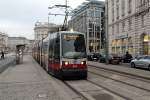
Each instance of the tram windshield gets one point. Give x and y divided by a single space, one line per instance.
73 46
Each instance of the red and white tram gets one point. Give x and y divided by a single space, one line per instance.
63 54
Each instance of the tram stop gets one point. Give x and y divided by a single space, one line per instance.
19 53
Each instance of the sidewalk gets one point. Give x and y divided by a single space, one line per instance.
4 63
126 70
28 81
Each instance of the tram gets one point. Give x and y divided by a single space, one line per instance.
63 54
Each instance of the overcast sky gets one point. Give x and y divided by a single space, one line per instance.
17 17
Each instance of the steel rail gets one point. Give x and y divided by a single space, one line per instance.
125 74
118 94
76 91
120 81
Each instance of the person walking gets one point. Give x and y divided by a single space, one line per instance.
2 55
128 57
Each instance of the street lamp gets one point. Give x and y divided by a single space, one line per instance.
106 32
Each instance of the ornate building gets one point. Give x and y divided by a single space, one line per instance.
3 41
42 29
13 41
129 26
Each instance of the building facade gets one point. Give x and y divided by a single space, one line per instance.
88 19
13 41
129 26
42 29
3 41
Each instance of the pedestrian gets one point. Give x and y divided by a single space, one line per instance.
2 55
128 57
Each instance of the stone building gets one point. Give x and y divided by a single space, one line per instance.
3 41
87 18
129 26
13 41
42 29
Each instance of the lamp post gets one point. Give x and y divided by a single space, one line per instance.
106 32
41 49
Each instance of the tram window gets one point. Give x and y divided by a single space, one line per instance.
57 49
78 44
57 40
45 45
51 47
73 46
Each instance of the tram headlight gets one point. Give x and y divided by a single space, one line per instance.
66 62
83 62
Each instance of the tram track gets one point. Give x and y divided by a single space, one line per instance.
76 91
145 89
84 97
125 74
125 94
125 97
136 83
121 75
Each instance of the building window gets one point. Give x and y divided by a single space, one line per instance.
112 30
117 28
123 26
145 41
112 15
123 7
112 2
130 6
117 12
142 21
130 23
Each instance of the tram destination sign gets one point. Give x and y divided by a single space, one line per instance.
70 37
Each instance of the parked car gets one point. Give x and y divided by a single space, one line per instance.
112 58
102 58
95 56
90 56
141 61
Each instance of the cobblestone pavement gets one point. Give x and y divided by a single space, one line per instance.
28 81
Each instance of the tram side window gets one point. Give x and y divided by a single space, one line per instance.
51 47
45 47
57 48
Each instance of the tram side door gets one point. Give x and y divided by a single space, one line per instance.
56 54
51 55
